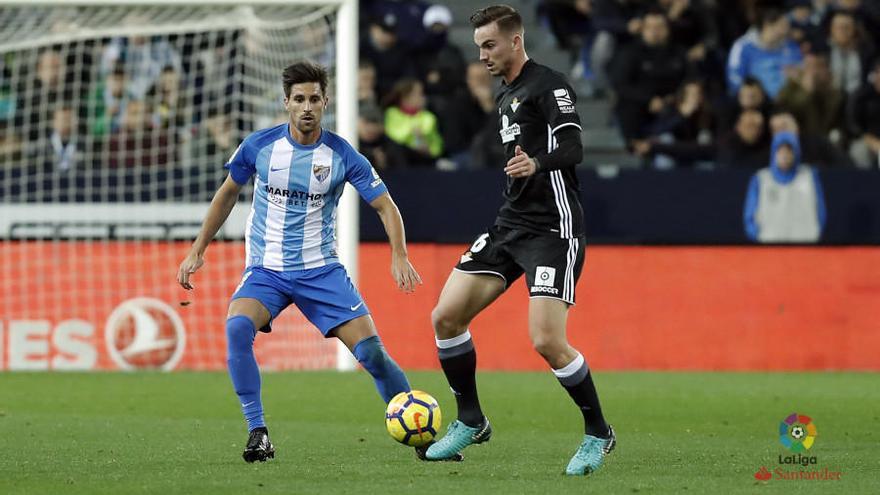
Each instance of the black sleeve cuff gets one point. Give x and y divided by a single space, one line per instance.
569 151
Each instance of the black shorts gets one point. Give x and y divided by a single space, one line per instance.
552 265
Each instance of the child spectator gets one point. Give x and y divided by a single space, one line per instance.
408 123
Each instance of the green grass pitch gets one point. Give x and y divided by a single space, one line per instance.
679 433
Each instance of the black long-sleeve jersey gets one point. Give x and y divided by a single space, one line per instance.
533 109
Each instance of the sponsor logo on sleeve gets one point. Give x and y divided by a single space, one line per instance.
563 100
376 179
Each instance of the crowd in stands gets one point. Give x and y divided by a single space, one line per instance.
436 109
692 83
83 110
695 81
780 87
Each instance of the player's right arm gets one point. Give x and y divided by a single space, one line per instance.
222 204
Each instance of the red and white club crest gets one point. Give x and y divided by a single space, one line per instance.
145 333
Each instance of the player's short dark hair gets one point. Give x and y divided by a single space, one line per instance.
507 17
304 71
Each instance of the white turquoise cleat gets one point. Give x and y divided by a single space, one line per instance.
458 436
591 454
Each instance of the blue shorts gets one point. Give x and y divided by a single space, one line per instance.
325 295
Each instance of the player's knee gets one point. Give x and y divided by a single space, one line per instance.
239 334
548 346
371 354
446 326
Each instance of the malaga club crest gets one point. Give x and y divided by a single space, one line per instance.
321 172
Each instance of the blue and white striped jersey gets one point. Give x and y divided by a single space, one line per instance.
292 224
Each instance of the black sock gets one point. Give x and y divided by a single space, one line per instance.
578 382
459 361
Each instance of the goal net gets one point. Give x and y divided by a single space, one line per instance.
116 119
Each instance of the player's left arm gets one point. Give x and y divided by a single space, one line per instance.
557 105
568 153
360 174
402 270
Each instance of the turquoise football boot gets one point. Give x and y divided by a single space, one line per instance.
458 436
591 454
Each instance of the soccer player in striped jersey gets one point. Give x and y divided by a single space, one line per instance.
539 232
299 172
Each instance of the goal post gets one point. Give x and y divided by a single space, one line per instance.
346 125
116 117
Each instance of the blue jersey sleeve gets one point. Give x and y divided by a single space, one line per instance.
360 174
242 163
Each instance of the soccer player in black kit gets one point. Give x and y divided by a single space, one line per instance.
539 232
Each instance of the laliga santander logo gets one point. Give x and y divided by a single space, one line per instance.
797 432
145 333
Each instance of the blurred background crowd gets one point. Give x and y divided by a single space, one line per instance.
687 82
661 84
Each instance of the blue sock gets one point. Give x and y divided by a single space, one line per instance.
388 376
243 369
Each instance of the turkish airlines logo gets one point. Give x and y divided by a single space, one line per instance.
145 333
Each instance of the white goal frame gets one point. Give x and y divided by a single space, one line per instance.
345 100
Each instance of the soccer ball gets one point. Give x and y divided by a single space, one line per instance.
797 432
413 418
